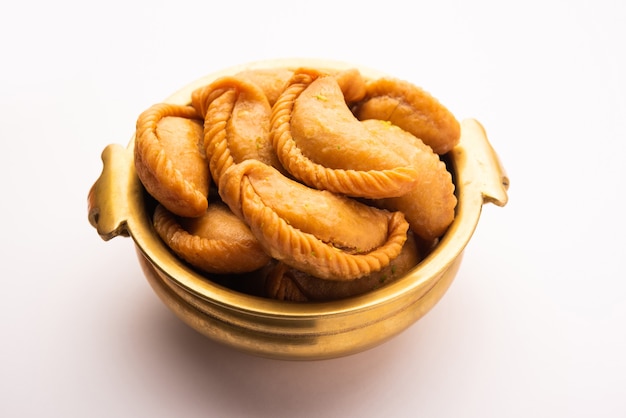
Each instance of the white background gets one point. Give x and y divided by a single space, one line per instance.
534 324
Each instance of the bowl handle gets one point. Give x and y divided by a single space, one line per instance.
108 209
483 164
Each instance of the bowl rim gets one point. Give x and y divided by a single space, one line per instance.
477 173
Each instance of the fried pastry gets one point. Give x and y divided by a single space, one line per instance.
430 206
321 143
273 82
412 109
169 158
352 85
279 284
236 124
328 185
321 233
216 242
286 283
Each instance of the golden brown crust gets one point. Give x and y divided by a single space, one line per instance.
412 109
320 142
430 206
286 283
217 242
352 85
280 285
342 244
169 161
290 149
272 81
236 124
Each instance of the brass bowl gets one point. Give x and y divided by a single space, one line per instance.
118 206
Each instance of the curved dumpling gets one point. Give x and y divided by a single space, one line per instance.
412 109
429 206
169 158
320 142
286 283
273 82
236 124
352 84
316 231
216 242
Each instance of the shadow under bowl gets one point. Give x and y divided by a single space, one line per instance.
120 206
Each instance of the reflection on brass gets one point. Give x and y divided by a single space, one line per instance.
118 205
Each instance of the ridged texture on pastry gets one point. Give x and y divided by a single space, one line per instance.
412 109
169 159
430 206
286 283
217 242
236 124
341 155
323 234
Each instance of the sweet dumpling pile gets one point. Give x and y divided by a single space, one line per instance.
314 184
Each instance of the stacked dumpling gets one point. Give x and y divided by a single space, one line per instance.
319 184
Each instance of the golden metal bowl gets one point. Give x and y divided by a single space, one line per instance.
285 330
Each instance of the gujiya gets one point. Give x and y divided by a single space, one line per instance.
319 184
